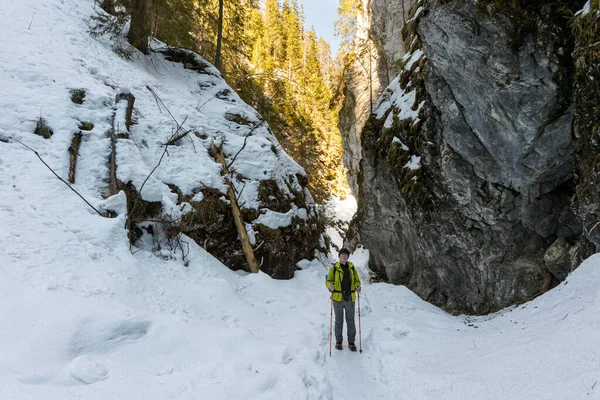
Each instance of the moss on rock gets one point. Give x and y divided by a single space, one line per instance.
277 247
77 95
586 133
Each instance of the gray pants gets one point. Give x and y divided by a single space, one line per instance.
338 307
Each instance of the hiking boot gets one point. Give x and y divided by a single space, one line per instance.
352 346
338 346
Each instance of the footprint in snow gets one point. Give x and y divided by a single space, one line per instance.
400 334
86 370
102 336
232 322
287 356
397 333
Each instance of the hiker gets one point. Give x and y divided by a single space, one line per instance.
343 281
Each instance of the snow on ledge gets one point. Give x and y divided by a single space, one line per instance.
275 220
586 9
414 163
400 142
394 96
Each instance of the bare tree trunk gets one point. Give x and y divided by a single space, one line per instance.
139 30
108 6
154 23
129 111
73 154
303 59
235 210
219 36
113 184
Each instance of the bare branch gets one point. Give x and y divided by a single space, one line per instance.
593 227
199 107
240 193
153 169
158 99
245 141
59 178
272 77
176 139
168 141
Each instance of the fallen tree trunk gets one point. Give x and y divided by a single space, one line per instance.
73 154
113 186
129 110
253 266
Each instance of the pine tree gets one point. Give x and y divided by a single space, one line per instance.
345 26
108 6
293 37
139 30
273 31
325 62
276 65
256 36
174 21
219 36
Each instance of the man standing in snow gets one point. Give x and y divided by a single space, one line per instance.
343 283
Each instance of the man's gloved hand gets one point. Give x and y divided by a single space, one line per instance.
358 289
331 287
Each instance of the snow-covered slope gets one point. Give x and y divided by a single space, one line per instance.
82 317
51 53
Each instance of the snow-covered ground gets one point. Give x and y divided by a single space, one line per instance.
82 317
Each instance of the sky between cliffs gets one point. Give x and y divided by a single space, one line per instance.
322 14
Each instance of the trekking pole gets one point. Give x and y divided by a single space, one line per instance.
359 331
330 324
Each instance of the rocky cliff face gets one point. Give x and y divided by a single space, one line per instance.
378 44
360 81
466 176
586 121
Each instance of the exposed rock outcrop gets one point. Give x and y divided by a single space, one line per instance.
367 71
466 175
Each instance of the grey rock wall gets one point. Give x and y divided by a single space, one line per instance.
486 221
378 44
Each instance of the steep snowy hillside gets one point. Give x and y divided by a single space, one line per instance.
82 316
59 80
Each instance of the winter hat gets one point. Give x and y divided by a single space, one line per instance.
343 250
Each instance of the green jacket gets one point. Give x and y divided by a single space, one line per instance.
335 276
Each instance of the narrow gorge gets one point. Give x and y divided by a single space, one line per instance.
469 138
